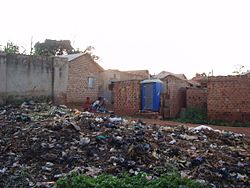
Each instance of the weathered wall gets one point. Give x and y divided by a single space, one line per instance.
80 69
174 96
2 79
127 97
32 77
197 98
229 98
28 76
107 77
60 80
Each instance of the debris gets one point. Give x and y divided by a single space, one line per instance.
188 137
172 142
84 141
198 161
201 127
3 112
115 119
40 143
2 171
76 127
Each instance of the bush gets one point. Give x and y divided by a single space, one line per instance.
199 116
194 115
126 181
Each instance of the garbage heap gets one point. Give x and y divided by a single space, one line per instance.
40 143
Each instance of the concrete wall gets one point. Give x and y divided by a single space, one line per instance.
197 98
2 79
229 98
107 77
32 77
61 67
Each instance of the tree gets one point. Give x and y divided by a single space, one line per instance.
54 47
11 48
90 50
239 69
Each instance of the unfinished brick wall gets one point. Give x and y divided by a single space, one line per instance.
229 98
113 75
127 97
196 98
174 97
80 69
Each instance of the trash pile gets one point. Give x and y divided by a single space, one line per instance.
40 143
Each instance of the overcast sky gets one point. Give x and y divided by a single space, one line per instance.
180 36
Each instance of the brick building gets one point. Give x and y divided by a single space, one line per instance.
83 78
229 98
174 96
112 75
127 95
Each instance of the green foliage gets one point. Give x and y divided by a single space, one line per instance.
90 51
194 115
239 69
141 180
53 47
11 48
199 116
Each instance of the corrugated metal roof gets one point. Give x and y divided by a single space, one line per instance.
164 74
71 56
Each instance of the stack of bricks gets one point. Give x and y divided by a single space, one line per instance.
197 98
127 97
229 98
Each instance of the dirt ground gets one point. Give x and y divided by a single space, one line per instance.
241 130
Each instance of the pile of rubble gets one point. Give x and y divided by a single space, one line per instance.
40 143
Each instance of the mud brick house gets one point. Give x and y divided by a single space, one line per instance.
110 76
229 98
174 93
83 78
127 95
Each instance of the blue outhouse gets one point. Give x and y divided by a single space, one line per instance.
151 94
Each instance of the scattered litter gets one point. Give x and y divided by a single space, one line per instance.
201 127
3 112
172 142
2 171
40 143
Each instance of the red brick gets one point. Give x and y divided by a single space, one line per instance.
229 98
127 97
197 98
